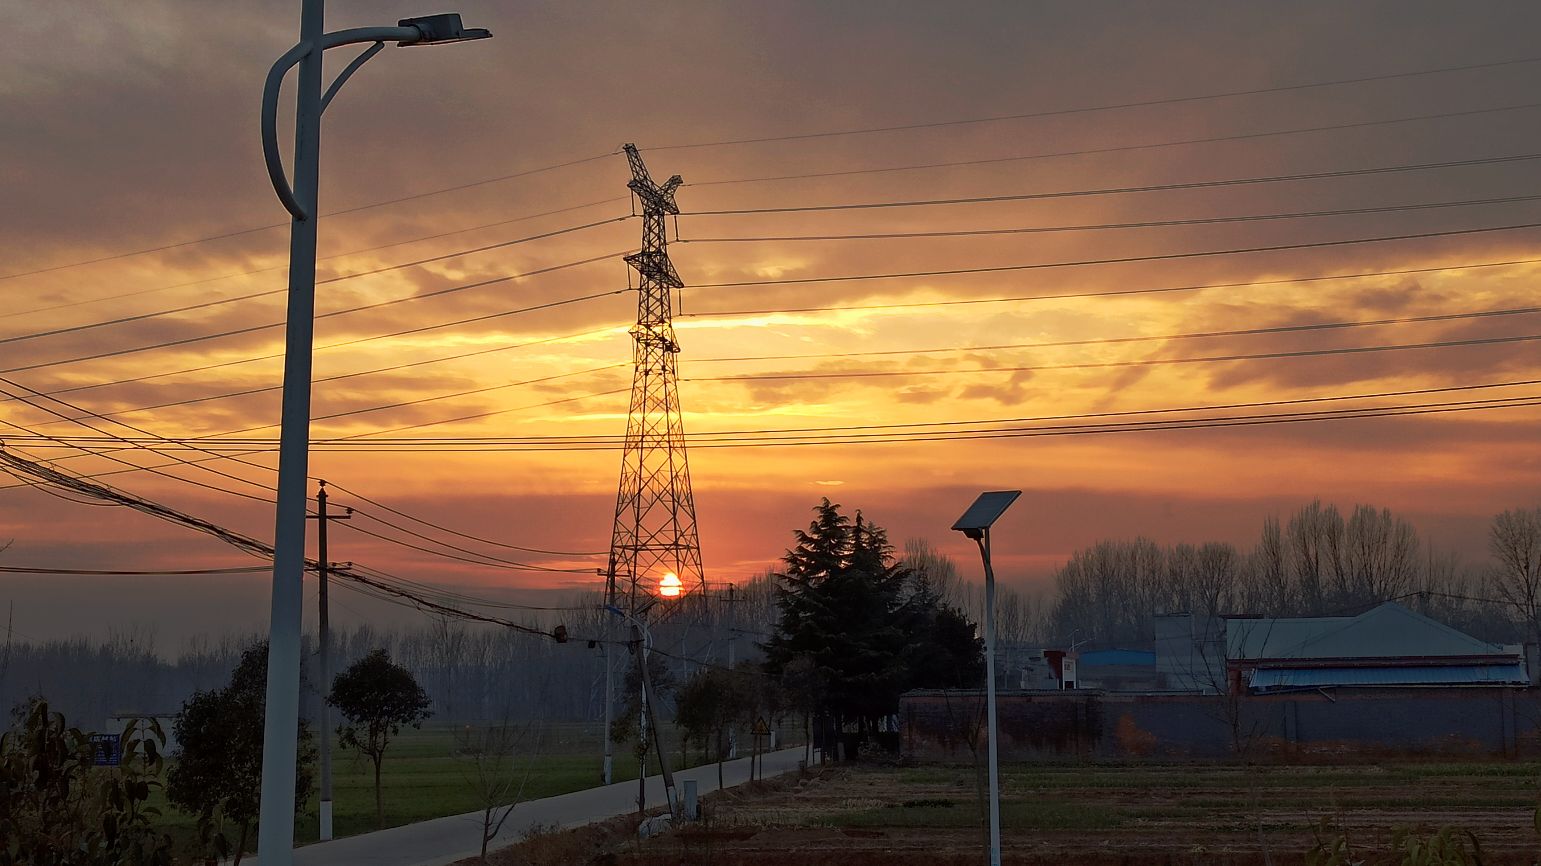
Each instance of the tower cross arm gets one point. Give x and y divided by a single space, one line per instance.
656 199
659 199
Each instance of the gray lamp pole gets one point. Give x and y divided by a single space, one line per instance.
275 839
975 523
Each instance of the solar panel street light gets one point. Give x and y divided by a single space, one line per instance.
975 523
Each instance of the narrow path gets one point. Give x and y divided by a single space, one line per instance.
445 840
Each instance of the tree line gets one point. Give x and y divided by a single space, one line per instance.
1318 562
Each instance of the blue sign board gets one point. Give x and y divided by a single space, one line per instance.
107 750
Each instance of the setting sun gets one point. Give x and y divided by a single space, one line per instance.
669 585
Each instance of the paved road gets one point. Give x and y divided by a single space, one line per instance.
445 840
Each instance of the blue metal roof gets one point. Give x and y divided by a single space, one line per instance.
1413 675
1094 658
1388 631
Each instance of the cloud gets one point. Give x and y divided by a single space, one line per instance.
134 128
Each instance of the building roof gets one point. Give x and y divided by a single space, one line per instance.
1264 679
1386 631
1100 658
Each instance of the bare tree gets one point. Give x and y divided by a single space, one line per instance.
1269 590
1380 556
1215 578
933 566
488 757
1515 542
1314 541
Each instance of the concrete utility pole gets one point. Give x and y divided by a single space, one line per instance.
650 720
275 834
732 634
609 707
323 567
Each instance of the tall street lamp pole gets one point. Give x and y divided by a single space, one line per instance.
975 523
275 840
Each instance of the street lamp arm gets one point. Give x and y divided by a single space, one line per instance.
351 68
270 154
402 35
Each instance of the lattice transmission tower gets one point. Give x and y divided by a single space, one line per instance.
655 512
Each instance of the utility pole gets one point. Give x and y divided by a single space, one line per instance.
609 692
648 719
323 566
732 633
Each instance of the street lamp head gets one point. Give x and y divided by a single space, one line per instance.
986 510
442 29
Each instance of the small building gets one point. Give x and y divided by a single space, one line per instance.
1118 670
1386 646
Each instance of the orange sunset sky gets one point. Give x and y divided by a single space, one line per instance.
133 127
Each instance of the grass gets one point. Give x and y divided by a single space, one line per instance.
421 778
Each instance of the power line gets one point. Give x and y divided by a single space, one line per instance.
370 579
86 572
1136 426
803 208
1118 190
256 328
132 466
1100 341
1154 362
449 595
1156 425
832 237
1116 292
856 429
481 415
350 412
416 519
1192 221
267 489
348 210
355 374
728 313
803 136
353 436
494 562
1409 392
340 376
1111 261
1125 148
1060 112
221 364
268 270
204 305
877 353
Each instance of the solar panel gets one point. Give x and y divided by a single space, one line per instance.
986 509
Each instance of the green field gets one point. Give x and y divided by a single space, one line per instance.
422 778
